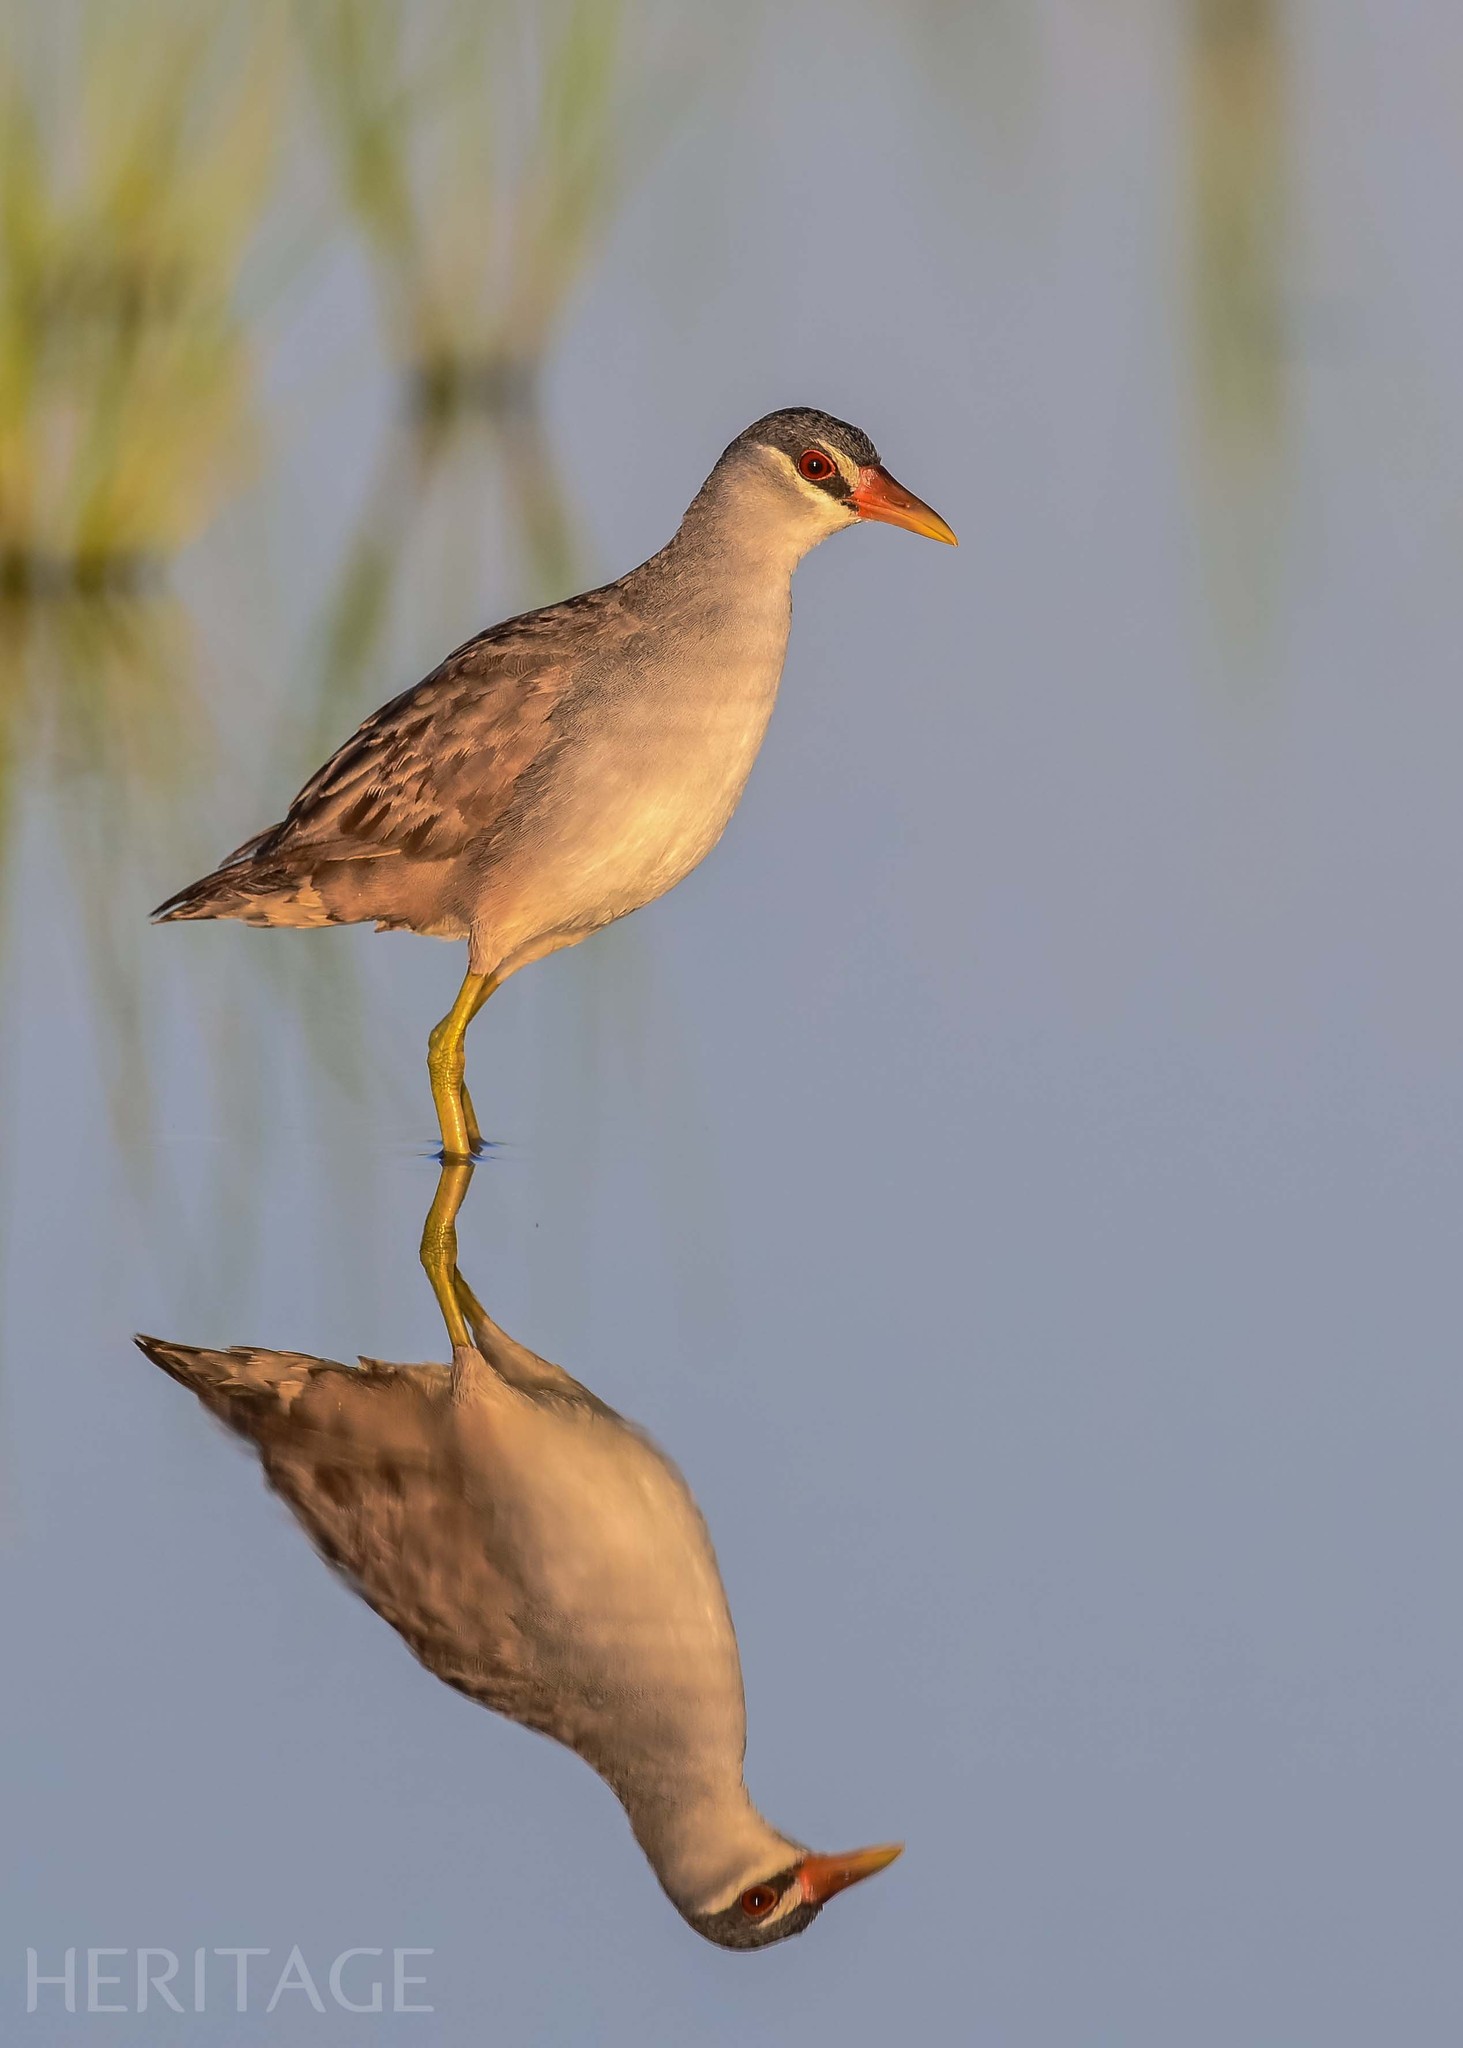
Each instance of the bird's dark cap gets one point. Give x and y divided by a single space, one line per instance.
792 429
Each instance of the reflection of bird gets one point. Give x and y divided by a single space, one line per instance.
570 765
541 1555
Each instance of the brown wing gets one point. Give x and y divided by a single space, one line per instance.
435 770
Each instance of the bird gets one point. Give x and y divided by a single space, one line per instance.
540 1554
571 764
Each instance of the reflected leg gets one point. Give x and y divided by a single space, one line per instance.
445 1063
439 1245
478 1319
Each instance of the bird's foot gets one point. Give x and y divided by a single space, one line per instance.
477 1148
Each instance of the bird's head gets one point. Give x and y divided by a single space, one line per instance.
763 1907
827 475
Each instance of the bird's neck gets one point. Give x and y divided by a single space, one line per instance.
740 529
703 1840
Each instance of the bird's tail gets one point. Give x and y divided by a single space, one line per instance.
236 883
257 887
241 887
215 895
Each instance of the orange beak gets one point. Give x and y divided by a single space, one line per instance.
822 1876
877 496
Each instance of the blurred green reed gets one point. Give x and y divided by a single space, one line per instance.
1238 124
481 145
136 146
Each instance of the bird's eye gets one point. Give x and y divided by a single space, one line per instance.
814 465
758 1901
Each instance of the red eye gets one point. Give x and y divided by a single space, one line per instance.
761 1898
814 465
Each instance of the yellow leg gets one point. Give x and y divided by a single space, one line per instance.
471 1124
439 1245
445 1063
469 1114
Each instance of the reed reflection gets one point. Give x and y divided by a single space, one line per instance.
540 1554
100 718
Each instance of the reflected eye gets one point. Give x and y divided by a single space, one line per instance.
760 1898
814 465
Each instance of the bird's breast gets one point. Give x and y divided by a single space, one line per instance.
651 769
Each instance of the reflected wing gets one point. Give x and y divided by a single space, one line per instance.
358 1455
372 1464
362 1468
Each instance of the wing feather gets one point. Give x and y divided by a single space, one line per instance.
436 769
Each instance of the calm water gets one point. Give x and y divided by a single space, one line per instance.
1018 1178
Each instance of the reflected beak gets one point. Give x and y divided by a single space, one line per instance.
822 1876
877 496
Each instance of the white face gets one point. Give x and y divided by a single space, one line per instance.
807 505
